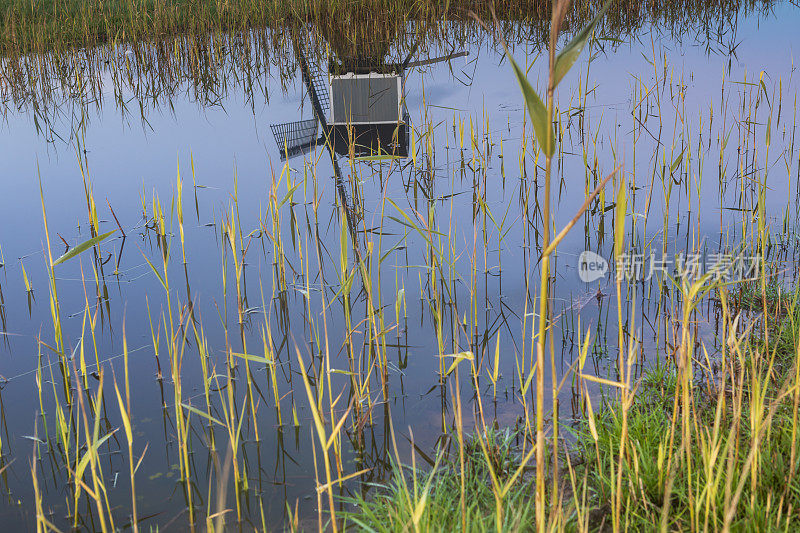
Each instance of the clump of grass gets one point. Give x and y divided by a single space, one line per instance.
750 296
428 501
739 470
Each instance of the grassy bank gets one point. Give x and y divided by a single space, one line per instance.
734 466
40 26
427 499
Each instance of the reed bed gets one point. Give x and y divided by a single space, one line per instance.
38 27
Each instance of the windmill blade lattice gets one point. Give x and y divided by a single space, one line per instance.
320 83
296 137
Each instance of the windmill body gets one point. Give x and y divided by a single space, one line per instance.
359 110
368 114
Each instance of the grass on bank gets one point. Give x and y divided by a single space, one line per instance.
429 500
740 472
39 26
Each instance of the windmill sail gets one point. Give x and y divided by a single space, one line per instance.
294 138
317 85
301 136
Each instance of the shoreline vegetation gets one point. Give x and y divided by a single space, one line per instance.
43 26
737 468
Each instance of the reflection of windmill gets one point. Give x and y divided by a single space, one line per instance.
369 116
359 109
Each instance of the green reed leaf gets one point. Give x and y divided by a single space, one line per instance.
289 194
675 164
381 157
201 413
87 456
155 271
769 131
567 57
619 219
254 358
458 358
536 110
82 247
